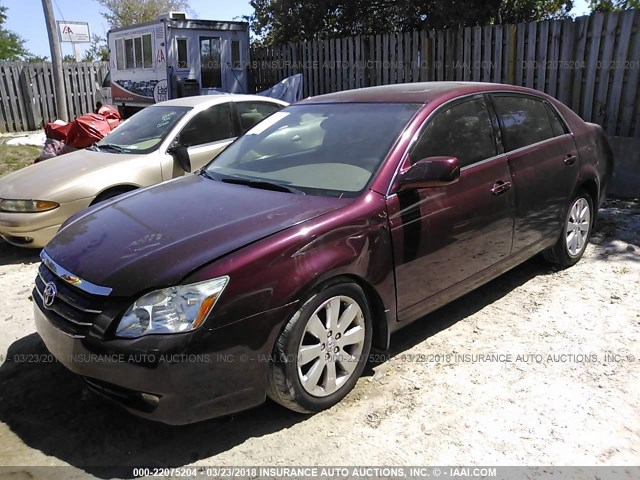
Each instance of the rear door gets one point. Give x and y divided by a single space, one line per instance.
543 161
444 235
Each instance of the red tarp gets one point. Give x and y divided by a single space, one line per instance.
85 130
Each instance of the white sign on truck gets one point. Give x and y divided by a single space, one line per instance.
74 32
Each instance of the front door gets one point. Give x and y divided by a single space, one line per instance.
444 235
207 134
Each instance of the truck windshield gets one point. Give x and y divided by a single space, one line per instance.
317 149
144 131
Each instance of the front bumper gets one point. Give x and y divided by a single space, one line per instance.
34 230
174 379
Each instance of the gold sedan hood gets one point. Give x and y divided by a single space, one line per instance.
49 179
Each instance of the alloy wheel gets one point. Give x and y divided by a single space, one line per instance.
578 225
331 346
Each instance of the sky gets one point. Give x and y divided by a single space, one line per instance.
25 17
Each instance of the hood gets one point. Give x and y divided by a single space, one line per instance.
45 179
156 236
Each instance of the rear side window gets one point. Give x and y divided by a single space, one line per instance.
252 113
556 124
462 131
524 121
210 125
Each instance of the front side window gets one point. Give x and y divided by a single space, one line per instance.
463 131
211 125
252 113
144 131
524 121
325 150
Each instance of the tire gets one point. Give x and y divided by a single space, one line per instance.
106 195
300 372
569 249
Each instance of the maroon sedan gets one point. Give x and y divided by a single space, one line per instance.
275 269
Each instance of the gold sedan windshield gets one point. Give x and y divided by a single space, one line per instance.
144 131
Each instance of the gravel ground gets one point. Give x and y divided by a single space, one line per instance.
538 367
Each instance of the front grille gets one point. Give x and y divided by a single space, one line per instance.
73 311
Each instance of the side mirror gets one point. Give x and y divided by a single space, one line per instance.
180 154
430 172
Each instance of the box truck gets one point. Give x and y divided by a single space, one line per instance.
174 57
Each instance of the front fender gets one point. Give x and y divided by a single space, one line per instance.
282 269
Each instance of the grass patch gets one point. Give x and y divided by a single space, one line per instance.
15 157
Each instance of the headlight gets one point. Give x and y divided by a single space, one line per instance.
171 310
27 206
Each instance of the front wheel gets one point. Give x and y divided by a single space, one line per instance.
575 233
322 350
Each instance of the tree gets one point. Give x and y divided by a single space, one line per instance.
121 13
11 44
613 5
98 50
37 58
282 21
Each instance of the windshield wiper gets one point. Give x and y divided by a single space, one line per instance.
263 184
109 146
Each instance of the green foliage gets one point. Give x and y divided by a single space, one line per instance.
121 13
613 5
281 21
11 44
37 58
98 50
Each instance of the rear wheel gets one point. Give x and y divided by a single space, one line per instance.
322 350
575 233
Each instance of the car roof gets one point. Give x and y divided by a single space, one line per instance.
210 100
423 92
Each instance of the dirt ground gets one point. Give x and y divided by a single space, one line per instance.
539 367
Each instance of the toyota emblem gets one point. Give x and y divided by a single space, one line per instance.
49 295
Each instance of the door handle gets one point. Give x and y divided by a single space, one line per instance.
500 187
570 159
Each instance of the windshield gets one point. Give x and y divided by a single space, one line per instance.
318 149
144 131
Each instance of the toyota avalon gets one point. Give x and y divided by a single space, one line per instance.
331 224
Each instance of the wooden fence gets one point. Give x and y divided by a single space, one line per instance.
590 63
27 94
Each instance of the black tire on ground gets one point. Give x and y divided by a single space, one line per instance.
285 386
559 254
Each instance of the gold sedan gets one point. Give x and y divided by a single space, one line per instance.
142 151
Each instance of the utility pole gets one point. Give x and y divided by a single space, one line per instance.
56 59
